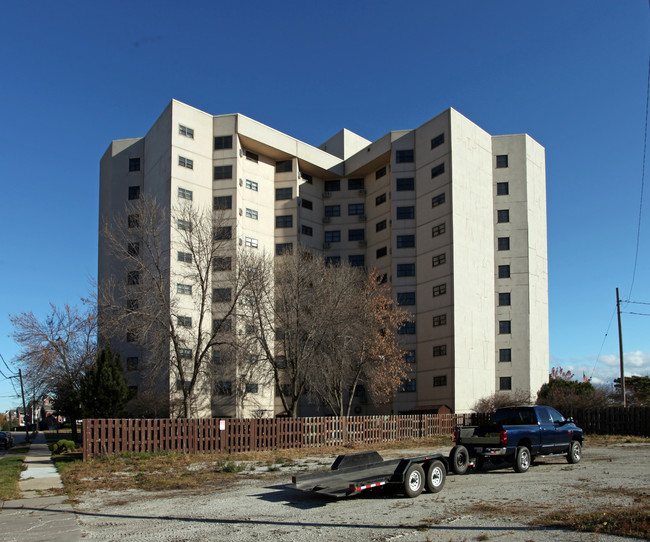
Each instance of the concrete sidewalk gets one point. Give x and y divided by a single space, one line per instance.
42 513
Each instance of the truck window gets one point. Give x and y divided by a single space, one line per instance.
515 416
544 416
555 415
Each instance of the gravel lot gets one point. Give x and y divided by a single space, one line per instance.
493 505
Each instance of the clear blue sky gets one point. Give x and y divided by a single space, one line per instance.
572 74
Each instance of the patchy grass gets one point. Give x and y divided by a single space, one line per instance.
10 469
604 440
631 521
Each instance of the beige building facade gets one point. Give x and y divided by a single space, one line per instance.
454 217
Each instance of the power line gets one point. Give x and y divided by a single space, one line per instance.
639 313
603 344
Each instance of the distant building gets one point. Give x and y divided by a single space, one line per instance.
454 217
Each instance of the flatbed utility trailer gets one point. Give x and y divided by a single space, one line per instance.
352 473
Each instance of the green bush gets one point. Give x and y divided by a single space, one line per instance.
64 446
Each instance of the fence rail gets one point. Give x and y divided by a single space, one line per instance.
211 435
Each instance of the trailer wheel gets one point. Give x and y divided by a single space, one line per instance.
522 459
414 481
459 459
436 475
575 452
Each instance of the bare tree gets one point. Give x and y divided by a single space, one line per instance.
180 314
501 399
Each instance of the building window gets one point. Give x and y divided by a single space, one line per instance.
185 289
133 249
222 326
332 260
357 260
252 213
307 204
504 299
409 356
504 327
438 259
134 221
356 209
283 166
438 170
438 230
383 279
381 252
503 189
380 173
356 184
133 278
406 328
408 386
222 172
223 233
503 215
333 236
185 131
185 162
439 381
307 177
440 350
284 221
504 271
404 156
405 213
222 203
405 185
504 243
332 210
438 200
437 141
440 289
283 193
505 354
356 235
222 142
381 225
307 230
184 225
405 241
252 156
185 353
405 269
183 193
132 363
221 295
132 305
380 199
223 387
440 320
134 192
184 321
131 336
505 383
502 160
251 242
251 387
406 298
222 263
251 185
283 248
185 257
332 186
134 164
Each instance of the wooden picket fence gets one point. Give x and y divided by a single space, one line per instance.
210 435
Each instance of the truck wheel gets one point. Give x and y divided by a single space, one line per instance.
459 459
414 481
436 475
522 459
575 452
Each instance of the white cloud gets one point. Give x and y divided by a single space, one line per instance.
607 367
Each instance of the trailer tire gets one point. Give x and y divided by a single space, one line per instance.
575 452
459 459
414 481
522 459
436 475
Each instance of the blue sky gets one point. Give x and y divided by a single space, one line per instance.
571 74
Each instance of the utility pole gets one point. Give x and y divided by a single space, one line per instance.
620 346
22 391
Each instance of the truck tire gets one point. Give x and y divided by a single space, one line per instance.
459 459
414 481
575 452
522 459
436 475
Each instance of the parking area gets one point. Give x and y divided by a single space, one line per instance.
497 504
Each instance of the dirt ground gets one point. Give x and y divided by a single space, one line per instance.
497 504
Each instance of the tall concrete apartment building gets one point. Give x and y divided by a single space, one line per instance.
453 216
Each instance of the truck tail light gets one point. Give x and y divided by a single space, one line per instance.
503 437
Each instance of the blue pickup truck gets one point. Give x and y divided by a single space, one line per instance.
516 436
